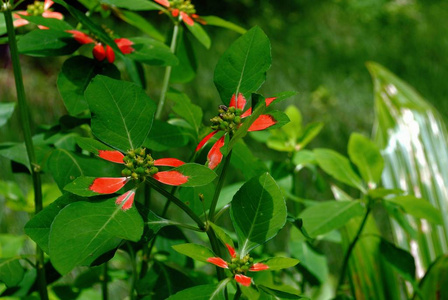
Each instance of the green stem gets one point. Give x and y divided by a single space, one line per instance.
166 78
134 271
24 117
238 293
145 247
222 176
350 249
104 281
217 250
177 202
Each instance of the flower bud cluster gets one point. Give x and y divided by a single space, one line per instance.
241 265
183 5
139 164
36 9
228 120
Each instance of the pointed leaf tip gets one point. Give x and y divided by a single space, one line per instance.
127 198
218 261
169 162
231 251
171 177
262 122
205 140
244 280
108 185
258 267
215 155
111 155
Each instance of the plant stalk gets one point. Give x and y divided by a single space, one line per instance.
351 248
24 117
166 78
222 176
104 282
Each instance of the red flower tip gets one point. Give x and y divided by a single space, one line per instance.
110 54
269 101
258 267
244 280
171 177
81 37
240 102
99 52
48 4
231 251
111 155
218 261
125 45
247 113
108 185
175 12
262 122
215 155
165 3
127 198
169 162
186 18
205 140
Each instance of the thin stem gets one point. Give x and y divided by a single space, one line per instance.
166 78
104 282
145 248
24 117
350 249
222 176
177 202
238 293
215 247
134 271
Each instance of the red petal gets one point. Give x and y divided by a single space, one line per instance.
215 155
52 15
171 177
244 280
81 37
20 22
241 101
110 54
262 122
175 12
218 261
42 27
48 4
108 185
247 113
258 267
170 162
231 251
187 19
125 45
205 140
111 155
99 52
127 198
165 3
269 101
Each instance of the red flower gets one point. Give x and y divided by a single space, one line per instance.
39 8
100 51
185 10
138 165
238 266
229 120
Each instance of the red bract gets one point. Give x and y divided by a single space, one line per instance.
100 51
184 10
238 266
138 165
36 9
235 108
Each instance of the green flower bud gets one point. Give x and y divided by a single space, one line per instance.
239 112
153 171
134 175
237 120
140 170
235 260
232 109
126 172
245 268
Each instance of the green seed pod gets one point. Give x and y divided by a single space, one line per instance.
129 165
153 171
251 260
245 269
232 109
238 112
134 175
140 170
237 119
126 173
235 260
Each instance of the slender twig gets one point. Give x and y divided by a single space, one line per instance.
134 271
24 117
222 176
145 247
166 78
350 249
104 282
215 247
238 293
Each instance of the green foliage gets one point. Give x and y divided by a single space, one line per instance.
47 43
6 110
197 252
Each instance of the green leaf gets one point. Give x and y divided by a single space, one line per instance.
152 52
83 231
309 133
339 167
6 110
38 228
81 186
185 109
196 252
433 285
401 260
330 215
294 128
190 196
278 263
48 22
155 223
217 21
278 294
396 212
139 5
202 292
418 208
92 145
164 136
11 245
11 271
242 68
222 235
75 76
367 157
200 34
17 153
244 160
258 212
141 23
187 68
198 175
48 42
122 113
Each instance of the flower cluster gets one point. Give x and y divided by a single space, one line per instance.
228 120
39 8
101 51
184 8
139 165
238 266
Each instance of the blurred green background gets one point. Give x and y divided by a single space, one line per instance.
319 50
